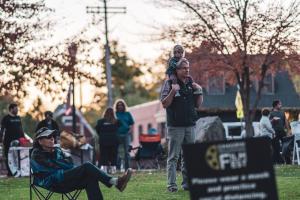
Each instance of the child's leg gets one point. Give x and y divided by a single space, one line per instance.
191 80
173 78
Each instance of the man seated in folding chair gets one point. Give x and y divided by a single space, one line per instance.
53 171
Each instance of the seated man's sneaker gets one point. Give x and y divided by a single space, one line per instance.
123 180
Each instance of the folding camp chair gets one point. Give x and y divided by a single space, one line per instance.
295 127
46 194
296 148
148 154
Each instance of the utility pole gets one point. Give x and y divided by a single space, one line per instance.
107 10
72 52
80 85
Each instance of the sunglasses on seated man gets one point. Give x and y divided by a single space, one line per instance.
48 137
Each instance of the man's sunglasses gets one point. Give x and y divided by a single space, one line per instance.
49 136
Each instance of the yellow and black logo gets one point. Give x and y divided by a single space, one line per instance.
212 157
226 156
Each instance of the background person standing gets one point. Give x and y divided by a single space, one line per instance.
11 128
125 130
279 124
49 123
107 130
181 118
265 125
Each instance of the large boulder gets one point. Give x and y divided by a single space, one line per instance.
209 129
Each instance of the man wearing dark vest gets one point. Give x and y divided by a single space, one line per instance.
181 117
280 125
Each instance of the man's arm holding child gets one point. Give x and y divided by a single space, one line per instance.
167 94
199 97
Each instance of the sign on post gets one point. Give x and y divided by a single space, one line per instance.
231 170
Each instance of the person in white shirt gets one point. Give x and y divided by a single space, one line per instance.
265 124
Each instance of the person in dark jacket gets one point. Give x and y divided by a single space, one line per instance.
181 117
11 129
280 125
50 123
54 171
107 129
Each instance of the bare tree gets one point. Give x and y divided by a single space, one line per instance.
238 31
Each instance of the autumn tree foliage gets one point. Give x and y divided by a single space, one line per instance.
19 26
26 60
244 38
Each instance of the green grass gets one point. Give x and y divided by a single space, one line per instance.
143 185
288 182
152 186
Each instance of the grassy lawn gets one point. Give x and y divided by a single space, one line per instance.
152 186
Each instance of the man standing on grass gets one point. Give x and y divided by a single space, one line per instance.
181 118
280 125
11 128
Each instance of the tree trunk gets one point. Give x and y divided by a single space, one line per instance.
247 115
246 102
249 128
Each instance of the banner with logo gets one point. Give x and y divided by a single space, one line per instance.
231 170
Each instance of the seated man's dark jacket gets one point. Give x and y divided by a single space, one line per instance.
48 168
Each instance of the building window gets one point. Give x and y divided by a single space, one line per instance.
216 84
140 129
297 85
268 87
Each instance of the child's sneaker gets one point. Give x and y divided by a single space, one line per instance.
198 92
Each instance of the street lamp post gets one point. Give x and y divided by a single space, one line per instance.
72 52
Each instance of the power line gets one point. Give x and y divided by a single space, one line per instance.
107 10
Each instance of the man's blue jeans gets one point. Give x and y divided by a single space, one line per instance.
85 176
